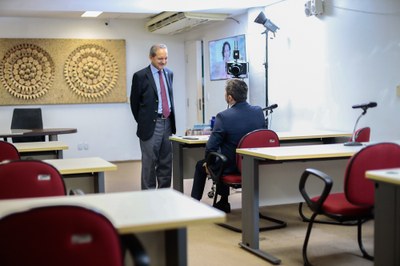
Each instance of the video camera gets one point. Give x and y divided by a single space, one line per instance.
236 68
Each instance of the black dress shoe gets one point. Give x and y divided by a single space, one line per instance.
223 206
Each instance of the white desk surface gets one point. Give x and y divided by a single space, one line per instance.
391 176
302 151
132 212
81 165
40 146
284 135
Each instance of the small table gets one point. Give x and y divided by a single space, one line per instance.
252 158
78 167
54 148
140 211
51 132
387 215
286 138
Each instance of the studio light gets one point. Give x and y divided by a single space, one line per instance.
262 19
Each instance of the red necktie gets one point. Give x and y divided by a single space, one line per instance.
164 100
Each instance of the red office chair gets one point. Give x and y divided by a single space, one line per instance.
361 135
30 178
356 203
216 162
64 236
8 152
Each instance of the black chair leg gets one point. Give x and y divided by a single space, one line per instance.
360 243
306 239
278 223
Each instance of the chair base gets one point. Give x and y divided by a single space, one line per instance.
277 224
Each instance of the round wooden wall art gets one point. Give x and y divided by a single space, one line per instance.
27 71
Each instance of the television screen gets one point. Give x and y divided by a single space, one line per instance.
223 51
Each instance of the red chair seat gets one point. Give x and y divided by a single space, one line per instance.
338 204
232 179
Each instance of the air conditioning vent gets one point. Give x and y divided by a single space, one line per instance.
176 22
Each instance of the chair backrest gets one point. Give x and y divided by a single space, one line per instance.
30 178
27 118
8 151
259 138
59 235
358 189
362 134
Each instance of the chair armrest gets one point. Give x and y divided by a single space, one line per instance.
135 248
315 206
216 163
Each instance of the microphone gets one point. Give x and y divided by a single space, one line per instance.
271 107
365 105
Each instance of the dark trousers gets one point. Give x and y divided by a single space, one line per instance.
157 157
199 181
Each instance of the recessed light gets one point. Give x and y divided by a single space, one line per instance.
91 14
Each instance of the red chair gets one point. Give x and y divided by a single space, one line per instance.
64 236
30 178
356 203
8 152
362 134
259 138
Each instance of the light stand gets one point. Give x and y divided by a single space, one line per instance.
271 110
364 107
269 26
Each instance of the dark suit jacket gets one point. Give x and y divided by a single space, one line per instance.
230 126
144 101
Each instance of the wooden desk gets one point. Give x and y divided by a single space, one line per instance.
387 216
51 132
180 143
39 148
78 167
252 158
140 211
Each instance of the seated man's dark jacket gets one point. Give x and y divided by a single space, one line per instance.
230 126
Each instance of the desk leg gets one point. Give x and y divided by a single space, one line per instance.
176 247
99 186
177 166
250 209
53 137
387 218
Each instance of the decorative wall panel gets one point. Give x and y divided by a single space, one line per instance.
62 71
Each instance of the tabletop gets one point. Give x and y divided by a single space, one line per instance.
302 151
40 146
81 165
283 135
391 176
138 211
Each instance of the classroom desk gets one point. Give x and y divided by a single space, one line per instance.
53 148
78 167
286 138
51 132
252 158
140 211
387 215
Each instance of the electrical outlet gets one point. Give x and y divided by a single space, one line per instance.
80 146
85 146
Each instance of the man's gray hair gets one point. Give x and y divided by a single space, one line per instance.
155 48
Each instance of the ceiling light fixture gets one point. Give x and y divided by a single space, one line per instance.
91 14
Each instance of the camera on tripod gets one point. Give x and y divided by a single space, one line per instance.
236 68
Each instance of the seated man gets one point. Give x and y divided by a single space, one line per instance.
230 126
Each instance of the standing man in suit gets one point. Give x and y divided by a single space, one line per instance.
152 105
230 126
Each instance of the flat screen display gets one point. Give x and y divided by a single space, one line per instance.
222 51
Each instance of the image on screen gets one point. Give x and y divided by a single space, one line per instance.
222 51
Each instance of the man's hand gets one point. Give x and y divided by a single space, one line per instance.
205 167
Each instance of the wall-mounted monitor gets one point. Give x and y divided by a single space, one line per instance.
224 51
